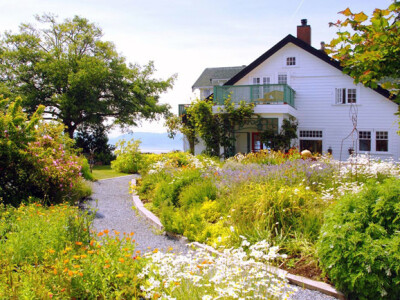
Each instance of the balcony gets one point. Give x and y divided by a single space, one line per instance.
258 94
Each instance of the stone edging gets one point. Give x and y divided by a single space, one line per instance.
293 279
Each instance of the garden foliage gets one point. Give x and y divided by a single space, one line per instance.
36 158
49 252
129 157
270 196
359 245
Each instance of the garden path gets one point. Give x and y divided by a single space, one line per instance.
113 202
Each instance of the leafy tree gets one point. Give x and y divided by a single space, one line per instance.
370 52
216 129
184 124
280 141
94 143
80 78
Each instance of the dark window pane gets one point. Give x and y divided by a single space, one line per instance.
312 145
382 145
365 145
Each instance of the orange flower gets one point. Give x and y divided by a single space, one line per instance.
106 266
106 231
77 266
132 233
116 232
70 273
91 242
81 274
51 251
100 233
55 271
137 251
155 250
78 243
121 260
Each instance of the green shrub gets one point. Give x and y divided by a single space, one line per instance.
359 244
86 170
168 192
36 158
198 192
128 158
28 232
49 252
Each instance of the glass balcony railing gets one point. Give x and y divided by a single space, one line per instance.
257 94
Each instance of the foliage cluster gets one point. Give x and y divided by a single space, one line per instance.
39 156
267 196
369 51
79 77
49 252
281 141
94 144
129 157
216 129
359 245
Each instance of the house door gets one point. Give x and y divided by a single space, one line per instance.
256 144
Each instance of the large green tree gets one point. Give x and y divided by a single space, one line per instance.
370 51
80 78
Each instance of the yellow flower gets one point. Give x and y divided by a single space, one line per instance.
119 275
77 266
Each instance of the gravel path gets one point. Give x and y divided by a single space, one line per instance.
114 204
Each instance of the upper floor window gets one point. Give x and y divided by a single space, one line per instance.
291 61
345 96
282 78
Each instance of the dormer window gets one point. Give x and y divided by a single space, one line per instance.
291 61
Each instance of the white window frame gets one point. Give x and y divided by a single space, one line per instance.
341 95
314 135
374 140
282 74
387 139
291 61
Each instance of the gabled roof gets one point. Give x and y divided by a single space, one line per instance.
303 45
209 74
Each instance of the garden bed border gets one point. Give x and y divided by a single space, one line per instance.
300 281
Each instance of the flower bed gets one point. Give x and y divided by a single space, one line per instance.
282 201
49 252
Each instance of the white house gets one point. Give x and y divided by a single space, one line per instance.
334 115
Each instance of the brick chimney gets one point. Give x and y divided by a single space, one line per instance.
304 32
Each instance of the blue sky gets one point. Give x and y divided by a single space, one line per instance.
184 37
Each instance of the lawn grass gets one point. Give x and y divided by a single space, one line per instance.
104 172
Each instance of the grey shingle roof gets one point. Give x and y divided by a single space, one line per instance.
210 74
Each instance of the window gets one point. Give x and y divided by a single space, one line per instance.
382 141
345 96
364 140
311 140
311 133
282 79
291 61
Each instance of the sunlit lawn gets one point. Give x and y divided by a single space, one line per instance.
104 172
